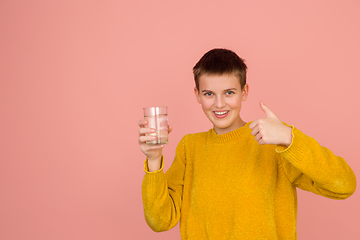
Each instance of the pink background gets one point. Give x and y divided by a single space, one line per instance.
75 75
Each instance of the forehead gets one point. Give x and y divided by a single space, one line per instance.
218 82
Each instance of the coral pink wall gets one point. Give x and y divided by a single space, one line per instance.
74 76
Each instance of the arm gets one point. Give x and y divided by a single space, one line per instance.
162 193
314 168
307 165
153 153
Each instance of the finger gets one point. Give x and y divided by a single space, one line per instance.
261 141
253 124
170 128
255 131
267 111
143 139
146 130
258 137
142 123
147 147
154 147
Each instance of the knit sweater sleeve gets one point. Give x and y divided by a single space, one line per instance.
162 193
314 168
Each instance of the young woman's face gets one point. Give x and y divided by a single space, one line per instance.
220 97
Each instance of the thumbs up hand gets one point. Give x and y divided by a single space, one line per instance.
271 130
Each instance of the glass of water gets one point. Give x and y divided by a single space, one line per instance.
157 119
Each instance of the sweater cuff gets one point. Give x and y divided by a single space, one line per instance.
146 167
283 148
295 152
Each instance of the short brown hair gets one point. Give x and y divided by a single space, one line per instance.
220 61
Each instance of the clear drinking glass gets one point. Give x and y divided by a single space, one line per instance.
157 118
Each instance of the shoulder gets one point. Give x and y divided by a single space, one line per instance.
196 136
192 139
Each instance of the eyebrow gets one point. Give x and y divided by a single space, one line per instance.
224 90
230 89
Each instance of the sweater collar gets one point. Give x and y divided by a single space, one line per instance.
227 137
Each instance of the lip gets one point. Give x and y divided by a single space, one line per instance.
221 116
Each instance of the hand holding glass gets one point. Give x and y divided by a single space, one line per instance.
157 119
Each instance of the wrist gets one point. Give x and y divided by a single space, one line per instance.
154 164
288 137
154 159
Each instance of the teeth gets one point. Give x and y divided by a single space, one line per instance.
221 113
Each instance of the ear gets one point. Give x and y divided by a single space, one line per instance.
245 92
197 95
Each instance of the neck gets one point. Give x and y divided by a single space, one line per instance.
238 124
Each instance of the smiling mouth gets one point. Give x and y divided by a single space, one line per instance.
221 114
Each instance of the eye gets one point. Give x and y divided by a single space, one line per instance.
229 92
208 94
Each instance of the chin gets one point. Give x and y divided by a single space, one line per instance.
221 126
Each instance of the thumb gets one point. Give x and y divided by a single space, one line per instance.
267 111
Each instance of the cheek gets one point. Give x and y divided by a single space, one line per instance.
206 104
234 103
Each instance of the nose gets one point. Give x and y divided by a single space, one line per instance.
219 102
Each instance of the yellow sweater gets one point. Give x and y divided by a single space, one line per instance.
229 187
